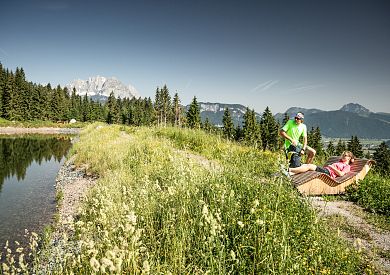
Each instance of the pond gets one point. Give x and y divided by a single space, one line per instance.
28 168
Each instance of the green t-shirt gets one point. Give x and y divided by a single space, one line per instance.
294 131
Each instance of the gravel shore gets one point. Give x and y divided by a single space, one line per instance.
73 183
41 130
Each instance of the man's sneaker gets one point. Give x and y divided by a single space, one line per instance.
286 173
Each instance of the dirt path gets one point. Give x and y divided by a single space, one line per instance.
355 229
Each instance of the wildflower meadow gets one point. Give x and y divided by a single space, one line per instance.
181 201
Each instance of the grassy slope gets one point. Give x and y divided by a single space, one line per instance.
181 201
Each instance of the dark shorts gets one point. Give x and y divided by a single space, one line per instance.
295 156
322 170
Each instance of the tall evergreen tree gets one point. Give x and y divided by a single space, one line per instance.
75 106
314 139
251 129
166 105
355 147
193 114
158 105
269 131
112 109
22 110
148 112
163 106
382 158
228 126
207 125
177 110
10 100
340 147
330 150
2 86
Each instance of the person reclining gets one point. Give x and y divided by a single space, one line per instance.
337 169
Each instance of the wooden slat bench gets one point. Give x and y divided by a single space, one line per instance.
316 183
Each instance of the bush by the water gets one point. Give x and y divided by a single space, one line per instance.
372 193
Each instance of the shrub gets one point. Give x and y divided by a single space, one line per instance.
372 193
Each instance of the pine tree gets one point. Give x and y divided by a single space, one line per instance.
158 106
113 109
340 147
269 131
193 114
74 112
228 126
149 114
57 104
382 158
10 98
23 99
207 125
166 105
330 150
35 111
315 140
177 110
2 86
239 133
162 106
251 129
355 147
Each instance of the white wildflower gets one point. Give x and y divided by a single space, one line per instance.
233 255
205 211
146 267
259 222
132 218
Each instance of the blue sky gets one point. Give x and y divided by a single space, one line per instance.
310 54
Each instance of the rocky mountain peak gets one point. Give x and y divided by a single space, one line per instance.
354 108
100 87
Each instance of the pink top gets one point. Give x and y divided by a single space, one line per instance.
343 167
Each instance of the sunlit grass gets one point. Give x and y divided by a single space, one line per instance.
180 201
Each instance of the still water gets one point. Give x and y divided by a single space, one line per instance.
28 167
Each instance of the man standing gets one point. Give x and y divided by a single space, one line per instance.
291 132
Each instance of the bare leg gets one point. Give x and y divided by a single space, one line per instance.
310 154
301 169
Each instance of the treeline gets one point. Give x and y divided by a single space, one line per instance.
25 101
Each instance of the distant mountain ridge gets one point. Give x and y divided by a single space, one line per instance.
100 87
350 120
214 112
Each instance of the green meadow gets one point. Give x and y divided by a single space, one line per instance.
181 201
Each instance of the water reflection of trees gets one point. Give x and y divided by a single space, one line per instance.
17 153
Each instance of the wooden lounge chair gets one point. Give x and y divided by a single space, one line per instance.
316 183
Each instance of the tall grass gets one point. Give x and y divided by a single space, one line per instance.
180 201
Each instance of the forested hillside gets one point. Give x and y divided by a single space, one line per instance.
22 100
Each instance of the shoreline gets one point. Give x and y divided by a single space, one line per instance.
41 130
73 183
